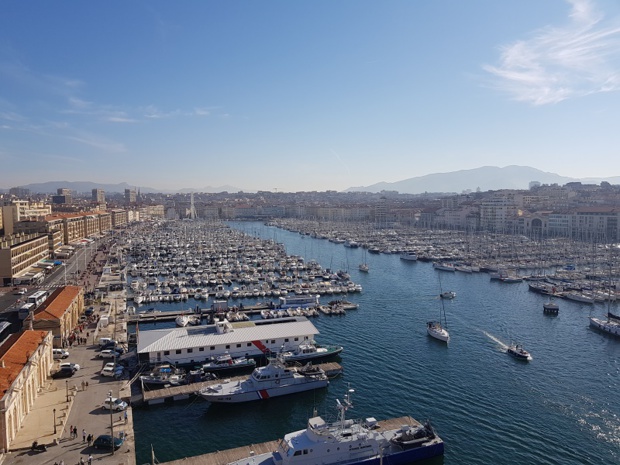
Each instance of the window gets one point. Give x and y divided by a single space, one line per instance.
238 345
178 351
189 351
297 339
273 341
249 344
166 352
286 339
201 349
228 346
212 348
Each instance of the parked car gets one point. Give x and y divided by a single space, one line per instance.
113 345
109 369
112 403
73 366
104 441
59 353
106 340
64 372
108 353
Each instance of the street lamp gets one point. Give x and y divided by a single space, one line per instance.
54 421
67 388
111 419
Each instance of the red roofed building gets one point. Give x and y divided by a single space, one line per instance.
25 363
59 314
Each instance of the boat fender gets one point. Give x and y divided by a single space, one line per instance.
277 381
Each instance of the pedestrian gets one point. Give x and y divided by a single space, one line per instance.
83 435
71 432
125 416
89 438
90 459
83 385
81 460
75 432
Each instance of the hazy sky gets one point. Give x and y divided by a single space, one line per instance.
305 95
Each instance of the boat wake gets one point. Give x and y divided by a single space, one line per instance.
496 340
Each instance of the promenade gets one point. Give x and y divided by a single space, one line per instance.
77 401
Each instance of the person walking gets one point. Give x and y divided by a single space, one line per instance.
75 432
90 459
70 431
83 435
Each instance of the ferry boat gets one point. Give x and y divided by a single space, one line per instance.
310 351
353 442
272 380
551 307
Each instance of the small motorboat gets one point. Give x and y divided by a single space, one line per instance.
518 352
226 362
448 295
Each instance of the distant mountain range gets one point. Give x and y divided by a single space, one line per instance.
52 187
485 178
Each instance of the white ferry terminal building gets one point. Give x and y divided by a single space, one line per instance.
197 344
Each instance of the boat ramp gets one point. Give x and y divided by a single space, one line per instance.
222 457
185 391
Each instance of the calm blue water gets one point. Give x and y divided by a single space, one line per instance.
560 408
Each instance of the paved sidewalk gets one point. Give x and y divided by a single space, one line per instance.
83 410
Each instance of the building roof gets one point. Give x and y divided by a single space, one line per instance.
58 305
15 353
204 336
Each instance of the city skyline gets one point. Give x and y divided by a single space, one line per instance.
304 96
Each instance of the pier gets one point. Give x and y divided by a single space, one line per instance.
185 391
203 313
231 455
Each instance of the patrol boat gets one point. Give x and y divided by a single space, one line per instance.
351 442
272 380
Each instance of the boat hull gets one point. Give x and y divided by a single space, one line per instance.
225 396
605 326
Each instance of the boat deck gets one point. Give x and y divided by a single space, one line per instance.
231 455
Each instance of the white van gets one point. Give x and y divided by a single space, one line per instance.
60 353
106 340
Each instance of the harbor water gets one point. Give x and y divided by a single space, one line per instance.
489 408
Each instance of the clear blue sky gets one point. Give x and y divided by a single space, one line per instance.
305 95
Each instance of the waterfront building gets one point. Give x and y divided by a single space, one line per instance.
191 345
59 314
18 253
25 363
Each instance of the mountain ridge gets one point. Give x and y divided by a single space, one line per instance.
484 178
